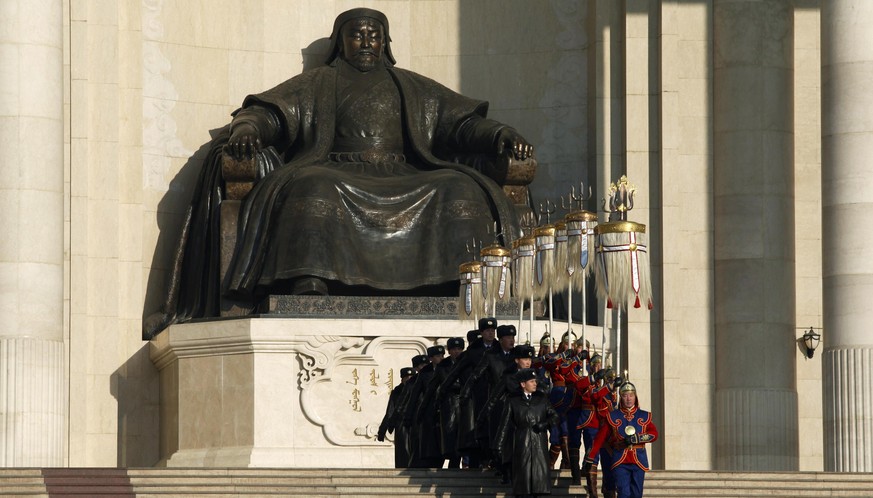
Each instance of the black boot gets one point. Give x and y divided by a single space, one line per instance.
575 472
506 470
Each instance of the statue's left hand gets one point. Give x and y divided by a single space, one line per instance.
510 141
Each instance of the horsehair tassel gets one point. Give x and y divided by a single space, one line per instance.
580 246
544 269
624 270
523 251
562 271
496 274
471 305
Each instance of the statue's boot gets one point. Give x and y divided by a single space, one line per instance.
575 471
565 452
554 453
309 286
591 483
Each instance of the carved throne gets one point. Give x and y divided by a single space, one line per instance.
239 177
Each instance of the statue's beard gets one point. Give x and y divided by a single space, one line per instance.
364 61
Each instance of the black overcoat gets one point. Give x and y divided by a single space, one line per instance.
424 419
524 428
490 368
470 405
401 452
447 406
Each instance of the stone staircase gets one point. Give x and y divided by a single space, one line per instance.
102 482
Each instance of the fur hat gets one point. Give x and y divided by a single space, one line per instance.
505 330
526 374
487 323
523 351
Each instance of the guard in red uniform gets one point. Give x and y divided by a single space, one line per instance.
561 398
589 421
626 432
601 399
578 378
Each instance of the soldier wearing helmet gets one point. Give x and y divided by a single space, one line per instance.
626 432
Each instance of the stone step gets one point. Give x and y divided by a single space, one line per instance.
80 482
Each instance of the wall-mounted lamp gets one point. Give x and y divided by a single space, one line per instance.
810 341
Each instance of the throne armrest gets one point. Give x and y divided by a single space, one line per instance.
239 175
504 170
514 175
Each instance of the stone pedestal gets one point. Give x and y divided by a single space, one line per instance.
284 392
445 308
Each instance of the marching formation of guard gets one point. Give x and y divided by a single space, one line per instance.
501 406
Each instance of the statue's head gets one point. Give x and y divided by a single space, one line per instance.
360 37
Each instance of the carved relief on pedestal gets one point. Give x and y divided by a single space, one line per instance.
345 382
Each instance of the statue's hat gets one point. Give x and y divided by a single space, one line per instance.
336 38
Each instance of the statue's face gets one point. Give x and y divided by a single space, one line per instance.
362 43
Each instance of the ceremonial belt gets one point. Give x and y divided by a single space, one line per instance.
588 407
357 144
559 383
367 156
367 150
620 447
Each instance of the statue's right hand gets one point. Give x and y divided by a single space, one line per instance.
244 142
511 142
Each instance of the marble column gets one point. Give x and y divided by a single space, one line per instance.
606 132
756 395
847 247
687 234
606 94
32 395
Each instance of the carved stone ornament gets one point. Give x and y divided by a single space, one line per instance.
345 383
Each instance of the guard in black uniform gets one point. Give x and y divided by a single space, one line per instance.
418 363
401 449
523 432
422 421
447 403
423 415
490 369
522 357
469 444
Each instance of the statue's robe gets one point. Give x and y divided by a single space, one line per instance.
387 224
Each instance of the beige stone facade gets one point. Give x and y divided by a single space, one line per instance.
601 87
